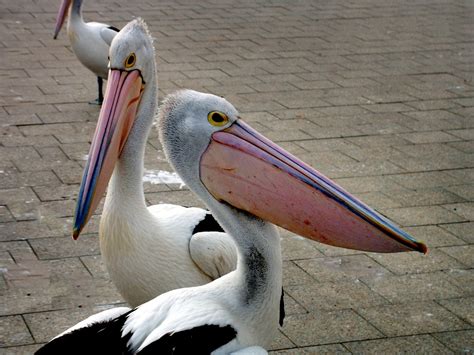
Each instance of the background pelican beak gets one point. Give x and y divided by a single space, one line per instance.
117 115
250 172
61 16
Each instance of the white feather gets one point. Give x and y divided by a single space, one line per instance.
103 316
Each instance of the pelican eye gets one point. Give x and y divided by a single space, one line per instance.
217 118
130 61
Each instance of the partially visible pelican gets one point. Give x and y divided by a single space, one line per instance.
248 183
90 41
147 250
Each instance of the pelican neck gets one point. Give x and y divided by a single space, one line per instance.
126 184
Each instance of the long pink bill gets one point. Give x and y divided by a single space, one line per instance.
250 172
61 16
118 112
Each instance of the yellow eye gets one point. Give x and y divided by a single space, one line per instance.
217 118
130 61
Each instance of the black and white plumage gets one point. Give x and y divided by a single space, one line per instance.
248 183
90 41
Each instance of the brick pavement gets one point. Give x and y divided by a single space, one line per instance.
378 95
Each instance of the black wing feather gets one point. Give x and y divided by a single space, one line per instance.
113 28
200 340
208 224
98 338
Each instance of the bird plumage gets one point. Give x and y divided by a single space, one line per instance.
221 158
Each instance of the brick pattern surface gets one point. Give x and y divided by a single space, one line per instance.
378 95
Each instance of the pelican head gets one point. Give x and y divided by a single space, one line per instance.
203 136
131 69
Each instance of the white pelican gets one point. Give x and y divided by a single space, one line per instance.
248 183
147 250
90 41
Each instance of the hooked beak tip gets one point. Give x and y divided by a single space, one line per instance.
75 233
423 248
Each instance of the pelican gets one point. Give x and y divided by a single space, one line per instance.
90 41
147 250
249 184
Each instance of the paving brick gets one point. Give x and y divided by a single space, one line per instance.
295 247
281 341
462 253
411 263
421 344
315 296
413 287
413 318
341 268
322 349
422 215
464 231
14 331
462 307
422 197
293 275
23 230
52 248
465 210
328 327
461 342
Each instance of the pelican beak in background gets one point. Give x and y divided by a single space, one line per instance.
116 118
61 16
251 173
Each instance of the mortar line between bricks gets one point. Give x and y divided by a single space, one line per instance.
68 257
376 292
85 266
440 249
32 249
24 344
28 327
369 322
403 336
12 257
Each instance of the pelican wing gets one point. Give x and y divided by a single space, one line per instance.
108 33
203 339
101 333
214 253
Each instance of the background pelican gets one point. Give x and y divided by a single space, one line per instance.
226 162
90 41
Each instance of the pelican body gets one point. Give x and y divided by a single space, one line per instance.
90 41
249 184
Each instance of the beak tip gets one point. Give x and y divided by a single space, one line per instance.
75 233
423 248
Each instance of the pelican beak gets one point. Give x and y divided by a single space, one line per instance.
61 16
117 115
251 173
